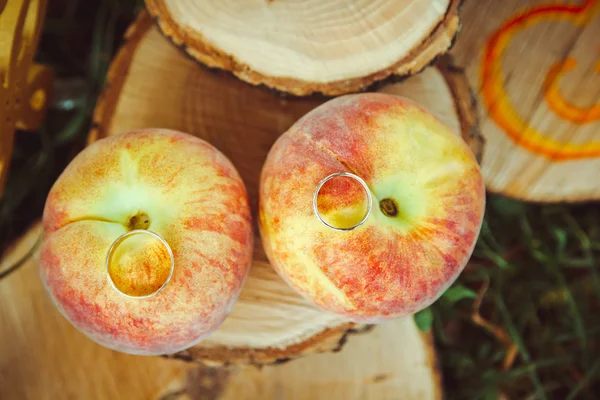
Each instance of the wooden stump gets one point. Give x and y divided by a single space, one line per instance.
332 47
152 84
45 357
370 366
536 65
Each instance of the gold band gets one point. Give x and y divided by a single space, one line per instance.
118 241
356 178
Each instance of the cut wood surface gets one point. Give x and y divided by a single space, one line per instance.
301 47
152 84
372 366
44 357
536 67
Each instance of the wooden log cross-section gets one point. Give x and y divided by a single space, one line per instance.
43 355
536 67
302 47
151 83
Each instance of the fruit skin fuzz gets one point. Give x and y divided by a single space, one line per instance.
170 183
428 205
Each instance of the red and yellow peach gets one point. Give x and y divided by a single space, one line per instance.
167 182
428 205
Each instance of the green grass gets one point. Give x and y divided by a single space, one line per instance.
544 296
541 337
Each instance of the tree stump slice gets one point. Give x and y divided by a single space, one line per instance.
332 47
370 366
380 365
152 84
45 357
536 67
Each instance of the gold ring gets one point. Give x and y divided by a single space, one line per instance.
356 178
118 241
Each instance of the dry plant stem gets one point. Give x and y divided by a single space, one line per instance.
4 272
509 359
344 48
511 349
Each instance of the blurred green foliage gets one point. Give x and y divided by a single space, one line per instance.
78 42
536 333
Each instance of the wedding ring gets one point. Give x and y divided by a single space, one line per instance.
120 240
348 175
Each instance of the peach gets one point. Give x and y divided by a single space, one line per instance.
167 182
428 201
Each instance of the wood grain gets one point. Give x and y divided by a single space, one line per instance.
369 366
332 47
536 67
152 84
44 357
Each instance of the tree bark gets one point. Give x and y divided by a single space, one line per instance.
332 47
